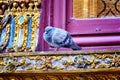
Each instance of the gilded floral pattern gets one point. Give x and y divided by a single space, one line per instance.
60 62
68 65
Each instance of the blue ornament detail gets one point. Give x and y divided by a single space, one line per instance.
12 32
21 19
2 36
21 31
28 44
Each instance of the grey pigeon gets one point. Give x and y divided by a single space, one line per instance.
58 38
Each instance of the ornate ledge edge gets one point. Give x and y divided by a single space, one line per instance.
80 61
61 65
59 52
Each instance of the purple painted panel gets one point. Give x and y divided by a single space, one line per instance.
97 40
88 33
90 25
43 22
59 13
94 33
94 26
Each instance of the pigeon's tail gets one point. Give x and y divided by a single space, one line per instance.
76 47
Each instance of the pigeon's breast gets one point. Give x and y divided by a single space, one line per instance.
48 36
59 36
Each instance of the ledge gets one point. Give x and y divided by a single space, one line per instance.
59 52
100 62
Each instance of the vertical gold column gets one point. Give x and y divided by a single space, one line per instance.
85 8
77 8
93 9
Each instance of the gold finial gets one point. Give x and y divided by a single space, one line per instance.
14 6
3 6
23 7
39 1
19 9
26 0
9 3
1 12
36 4
30 7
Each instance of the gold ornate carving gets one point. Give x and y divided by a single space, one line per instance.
35 24
23 7
96 8
24 26
18 10
70 65
77 8
108 8
62 76
6 37
93 8
90 61
7 29
84 8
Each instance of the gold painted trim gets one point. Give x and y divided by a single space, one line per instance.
69 60
17 12
49 53
36 72
77 8
65 71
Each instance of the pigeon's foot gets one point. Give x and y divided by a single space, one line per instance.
57 49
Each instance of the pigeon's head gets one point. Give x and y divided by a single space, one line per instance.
48 28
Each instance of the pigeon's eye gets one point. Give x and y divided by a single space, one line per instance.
48 31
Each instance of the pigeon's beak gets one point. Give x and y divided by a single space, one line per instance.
45 32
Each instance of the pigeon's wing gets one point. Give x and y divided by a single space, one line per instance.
58 37
70 43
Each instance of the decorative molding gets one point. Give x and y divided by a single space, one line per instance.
96 8
62 65
22 33
62 76
53 61
109 8
77 8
